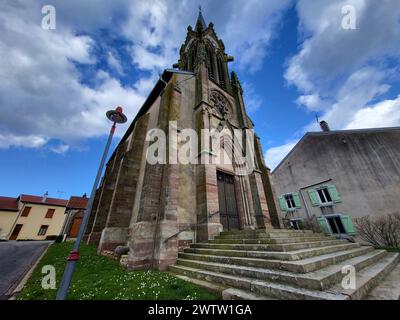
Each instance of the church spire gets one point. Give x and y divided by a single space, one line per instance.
203 49
200 24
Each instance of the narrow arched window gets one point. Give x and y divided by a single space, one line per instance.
210 65
221 72
193 58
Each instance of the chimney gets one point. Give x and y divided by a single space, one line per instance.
324 126
84 195
44 198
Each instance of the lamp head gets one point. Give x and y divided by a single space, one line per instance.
116 115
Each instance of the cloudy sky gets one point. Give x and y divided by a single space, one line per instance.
294 59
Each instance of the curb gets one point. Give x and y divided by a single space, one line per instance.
25 277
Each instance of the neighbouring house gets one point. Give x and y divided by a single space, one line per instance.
333 177
39 217
8 214
76 207
29 217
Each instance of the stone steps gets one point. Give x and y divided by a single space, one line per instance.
266 231
223 291
257 287
290 256
272 240
369 277
388 288
283 265
269 247
301 266
260 235
317 280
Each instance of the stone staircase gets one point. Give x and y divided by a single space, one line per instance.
282 264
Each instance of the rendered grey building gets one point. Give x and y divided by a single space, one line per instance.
333 177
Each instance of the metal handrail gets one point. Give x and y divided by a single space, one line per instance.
210 215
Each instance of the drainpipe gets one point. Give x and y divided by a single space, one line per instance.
16 220
305 205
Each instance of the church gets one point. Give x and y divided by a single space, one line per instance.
159 209
210 221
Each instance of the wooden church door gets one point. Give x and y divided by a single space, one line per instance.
227 201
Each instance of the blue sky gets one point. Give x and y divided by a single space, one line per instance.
293 58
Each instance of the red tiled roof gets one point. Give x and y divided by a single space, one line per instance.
8 204
49 201
77 203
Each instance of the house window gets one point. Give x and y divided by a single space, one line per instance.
26 211
324 195
290 201
296 223
336 225
50 213
43 230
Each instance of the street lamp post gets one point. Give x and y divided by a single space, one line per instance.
116 116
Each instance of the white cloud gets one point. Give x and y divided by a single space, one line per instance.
60 149
329 51
27 141
114 63
158 28
312 102
41 84
41 96
344 66
250 28
361 87
146 60
273 156
382 114
252 100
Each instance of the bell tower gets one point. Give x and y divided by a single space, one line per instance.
202 47
219 105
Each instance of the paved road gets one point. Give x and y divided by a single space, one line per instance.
16 258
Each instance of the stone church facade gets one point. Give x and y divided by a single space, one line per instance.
157 210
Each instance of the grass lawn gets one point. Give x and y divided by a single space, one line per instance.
390 249
100 278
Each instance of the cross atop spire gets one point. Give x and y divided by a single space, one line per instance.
200 24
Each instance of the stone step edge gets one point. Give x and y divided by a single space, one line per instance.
389 286
344 255
222 291
293 253
271 240
254 285
267 235
266 231
211 287
313 280
281 246
369 277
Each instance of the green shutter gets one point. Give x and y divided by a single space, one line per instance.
282 203
296 200
323 225
313 197
334 193
348 224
